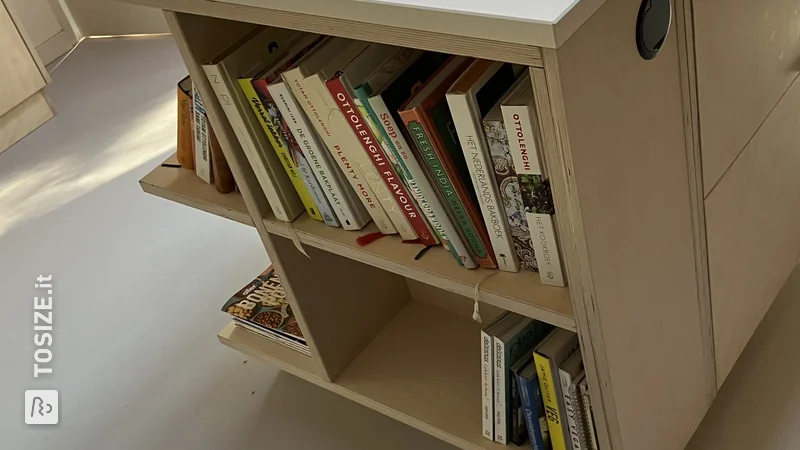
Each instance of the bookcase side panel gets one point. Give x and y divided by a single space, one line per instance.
198 38
346 303
622 127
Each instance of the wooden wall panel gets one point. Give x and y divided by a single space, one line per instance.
753 218
625 127
747 54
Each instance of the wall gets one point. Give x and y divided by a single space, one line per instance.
109 17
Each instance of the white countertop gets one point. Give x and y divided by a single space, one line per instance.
538 11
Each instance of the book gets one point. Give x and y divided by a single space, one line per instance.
306 80
580 416
291 155
519 118
470 98
185 146
508 184
568 373
267 333
395 198
262 46
559 345
202 146
586 405
262 306
497 326
348 208
380 98
532 405
425 116
220 170
509 347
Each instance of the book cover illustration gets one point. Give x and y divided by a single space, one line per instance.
510 193
263 303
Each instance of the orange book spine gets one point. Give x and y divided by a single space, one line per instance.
185 147
443 173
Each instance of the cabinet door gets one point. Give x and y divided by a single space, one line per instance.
747 56
20 76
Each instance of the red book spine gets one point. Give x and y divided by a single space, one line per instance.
370 144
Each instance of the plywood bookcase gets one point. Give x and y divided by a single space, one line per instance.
659 328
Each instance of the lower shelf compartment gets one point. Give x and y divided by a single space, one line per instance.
422 369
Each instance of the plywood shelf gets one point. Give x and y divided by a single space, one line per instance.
183 186
422 369
521 292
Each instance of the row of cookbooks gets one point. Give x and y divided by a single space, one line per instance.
435 148
534 387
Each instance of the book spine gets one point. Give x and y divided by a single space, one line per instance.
473 145
314 98
270 126
418 181
580 418
487 386
531 397
445 185
349 210
535 192
430 232
510 197
225 92
550 400
399 204
290 154
570 410
223 177
185 147
586 403
500 389
202 148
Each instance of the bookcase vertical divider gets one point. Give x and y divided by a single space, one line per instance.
198 38
347 303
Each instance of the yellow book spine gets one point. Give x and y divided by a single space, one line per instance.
271 130
550 401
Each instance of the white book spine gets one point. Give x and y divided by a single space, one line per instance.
567 391
202 145
347 208
481 171
499 391
546 249
312 102
355 150
522 140
225 95
487 386
422 188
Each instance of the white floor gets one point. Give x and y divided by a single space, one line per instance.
138 283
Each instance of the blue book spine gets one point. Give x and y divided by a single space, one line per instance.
535 420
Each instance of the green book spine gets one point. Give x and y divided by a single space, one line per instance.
447 189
